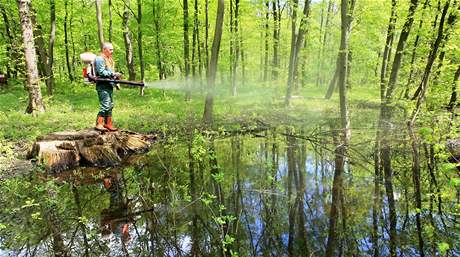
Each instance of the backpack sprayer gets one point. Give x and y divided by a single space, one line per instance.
89 73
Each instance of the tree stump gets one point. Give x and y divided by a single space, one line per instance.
453 148
66 150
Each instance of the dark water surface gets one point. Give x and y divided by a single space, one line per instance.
260 194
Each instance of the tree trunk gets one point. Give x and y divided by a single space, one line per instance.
79 211
211 76
276 38
206 38
52 37
66 43
83 24
236 49
338 68
337 185
410 124
43 66
321 26
140 47
387 50
12 49
196 54
100 29
291 167
347 7
266 38
322 52
71 36
450 21
129 55
376 208
296 46
453 96
35 97
186 50
157 29
410 79
333 82
385 122
110 21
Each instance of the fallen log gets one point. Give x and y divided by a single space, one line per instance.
66 150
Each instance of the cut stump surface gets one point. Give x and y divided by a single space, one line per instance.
66 150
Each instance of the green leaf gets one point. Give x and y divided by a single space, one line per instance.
443 247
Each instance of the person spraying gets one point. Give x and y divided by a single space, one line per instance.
104 67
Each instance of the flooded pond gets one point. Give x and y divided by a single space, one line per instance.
260 194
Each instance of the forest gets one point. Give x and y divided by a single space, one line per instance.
240 128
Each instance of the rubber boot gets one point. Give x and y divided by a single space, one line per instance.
109 125
100 124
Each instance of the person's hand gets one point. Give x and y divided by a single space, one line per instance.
117 75
117 86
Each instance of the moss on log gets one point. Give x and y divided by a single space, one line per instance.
66 150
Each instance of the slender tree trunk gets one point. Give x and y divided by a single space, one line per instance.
66 43
129 54
347 7
322 53
195 42
35 97
110 21
71 36
236 49
385 122
83 24
291 167
186 50
333 82
211 76
445 38
52 37
100 29
206 35
276 38
266 38
295 48
410 79
43 66
410 124
79 210
453 96
12 49
387 50
140 47
376 208
157 29
337 185
335 77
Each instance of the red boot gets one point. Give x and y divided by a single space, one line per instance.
108 124
100 124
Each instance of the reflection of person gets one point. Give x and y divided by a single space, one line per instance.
105 68
115 219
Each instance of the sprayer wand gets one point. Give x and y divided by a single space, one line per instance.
116 81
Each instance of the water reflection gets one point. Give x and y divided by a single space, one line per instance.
269 194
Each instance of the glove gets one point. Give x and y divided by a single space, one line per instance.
116 75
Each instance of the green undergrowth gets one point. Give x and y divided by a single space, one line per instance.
74 107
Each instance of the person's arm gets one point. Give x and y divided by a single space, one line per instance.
101 70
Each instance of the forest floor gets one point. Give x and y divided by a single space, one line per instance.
74 107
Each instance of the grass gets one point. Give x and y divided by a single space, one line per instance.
74 107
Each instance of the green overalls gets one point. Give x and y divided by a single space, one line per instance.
104 89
